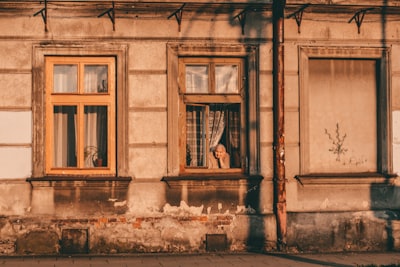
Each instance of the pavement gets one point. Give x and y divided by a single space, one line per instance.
209 259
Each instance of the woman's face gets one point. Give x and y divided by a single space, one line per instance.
219 152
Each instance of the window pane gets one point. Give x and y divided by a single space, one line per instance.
342 122
224 128
195 136
65 78
64 148
196 79
226 79
96 77
96 143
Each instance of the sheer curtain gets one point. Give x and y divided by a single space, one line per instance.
95 134
64 149
90 131
216 124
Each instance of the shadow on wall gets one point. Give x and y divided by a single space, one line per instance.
385 197
256 240
219 196
225 197
385 200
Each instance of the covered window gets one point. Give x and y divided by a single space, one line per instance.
212 114
80 115
344 112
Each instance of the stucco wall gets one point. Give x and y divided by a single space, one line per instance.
142 211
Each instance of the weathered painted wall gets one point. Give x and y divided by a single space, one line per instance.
142 215
327 213
146 214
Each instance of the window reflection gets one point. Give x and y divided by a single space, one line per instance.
196 79
65 78
226 79
96 79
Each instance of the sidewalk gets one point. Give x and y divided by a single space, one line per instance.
212 259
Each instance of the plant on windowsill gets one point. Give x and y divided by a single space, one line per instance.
92 154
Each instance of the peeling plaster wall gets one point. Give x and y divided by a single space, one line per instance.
145 215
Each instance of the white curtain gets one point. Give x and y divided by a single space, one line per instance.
216 126
91 143
95 135
60 140
64 149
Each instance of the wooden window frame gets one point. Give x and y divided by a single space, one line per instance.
249 54
80 99
40 52
211 98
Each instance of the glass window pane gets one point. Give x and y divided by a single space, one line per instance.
196 79
65 78
95 134
226 79
195 136
64 147
224 129
96 77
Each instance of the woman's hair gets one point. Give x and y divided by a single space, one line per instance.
220 145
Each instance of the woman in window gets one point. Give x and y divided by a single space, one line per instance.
219 159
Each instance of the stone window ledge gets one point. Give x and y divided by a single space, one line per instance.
79 181
346 178
212 179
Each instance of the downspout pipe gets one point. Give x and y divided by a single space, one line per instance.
278 8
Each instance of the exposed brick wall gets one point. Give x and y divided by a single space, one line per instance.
122 234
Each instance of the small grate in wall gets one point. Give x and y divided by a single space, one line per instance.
216 242
75 241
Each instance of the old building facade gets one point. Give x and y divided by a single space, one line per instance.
111 112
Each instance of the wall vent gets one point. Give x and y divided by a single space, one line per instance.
216 242
75 241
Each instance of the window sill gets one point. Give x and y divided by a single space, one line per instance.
345 178
212 177
226 179
65 181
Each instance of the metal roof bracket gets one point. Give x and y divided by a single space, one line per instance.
111 14
242 18
178 16
298 16
43 12
359 17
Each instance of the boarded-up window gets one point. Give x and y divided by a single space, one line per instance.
341 115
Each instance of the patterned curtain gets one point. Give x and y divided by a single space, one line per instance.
233 126
195 152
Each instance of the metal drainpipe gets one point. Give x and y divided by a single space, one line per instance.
278 7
